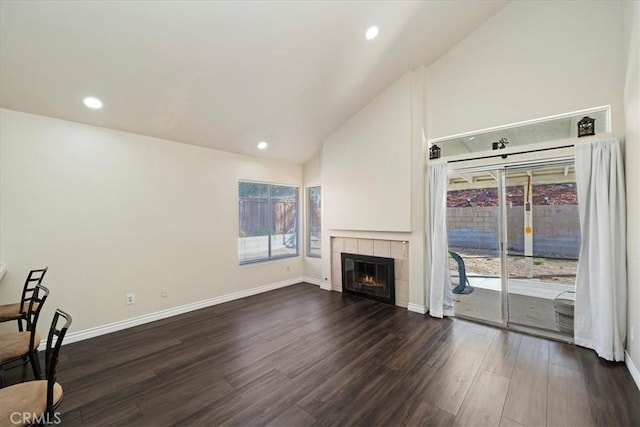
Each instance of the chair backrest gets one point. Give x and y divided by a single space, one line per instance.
36 302
53 350
34 278
462 273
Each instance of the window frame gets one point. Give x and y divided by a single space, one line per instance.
308 222
271 233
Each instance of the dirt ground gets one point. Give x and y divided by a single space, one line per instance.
484 263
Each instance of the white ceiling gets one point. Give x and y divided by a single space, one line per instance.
220 74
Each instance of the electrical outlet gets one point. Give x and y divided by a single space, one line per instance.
632 332
165 292
130 299
288 268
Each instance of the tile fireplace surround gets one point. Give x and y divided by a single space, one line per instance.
396 249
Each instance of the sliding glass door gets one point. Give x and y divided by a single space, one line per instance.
543 245
514 238
475 236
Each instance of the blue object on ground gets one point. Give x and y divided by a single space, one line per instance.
463 286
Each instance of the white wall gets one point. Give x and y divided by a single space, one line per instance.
383 196
366 165
532 59
312 178
631 32
112 213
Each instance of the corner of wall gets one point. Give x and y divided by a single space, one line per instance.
632 367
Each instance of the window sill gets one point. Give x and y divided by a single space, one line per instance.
266 260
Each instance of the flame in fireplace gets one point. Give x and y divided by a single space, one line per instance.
367 280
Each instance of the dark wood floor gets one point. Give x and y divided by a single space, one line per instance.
302 356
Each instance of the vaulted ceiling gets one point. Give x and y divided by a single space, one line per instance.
220 74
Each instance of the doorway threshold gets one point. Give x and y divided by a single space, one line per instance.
540 333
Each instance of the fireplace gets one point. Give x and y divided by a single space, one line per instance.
369 276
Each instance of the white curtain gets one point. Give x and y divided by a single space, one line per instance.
440 297
601 282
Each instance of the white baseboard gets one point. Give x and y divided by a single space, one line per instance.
312 280
170 312
417 308
326 286
635 374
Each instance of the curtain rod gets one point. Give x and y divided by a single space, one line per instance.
504 156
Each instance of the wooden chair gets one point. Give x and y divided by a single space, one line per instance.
36 401
18 345
18 311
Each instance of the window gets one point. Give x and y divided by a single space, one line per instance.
268 215
314 228
541 130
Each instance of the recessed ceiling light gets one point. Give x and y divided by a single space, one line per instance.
262 145
92 102
372 33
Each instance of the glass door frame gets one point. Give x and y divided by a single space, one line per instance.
502 218
501 168
502 236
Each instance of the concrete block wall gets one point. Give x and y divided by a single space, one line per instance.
515 227
473 227
556 229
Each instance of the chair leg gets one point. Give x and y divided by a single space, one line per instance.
35 364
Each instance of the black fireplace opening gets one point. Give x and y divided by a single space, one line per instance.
369 276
